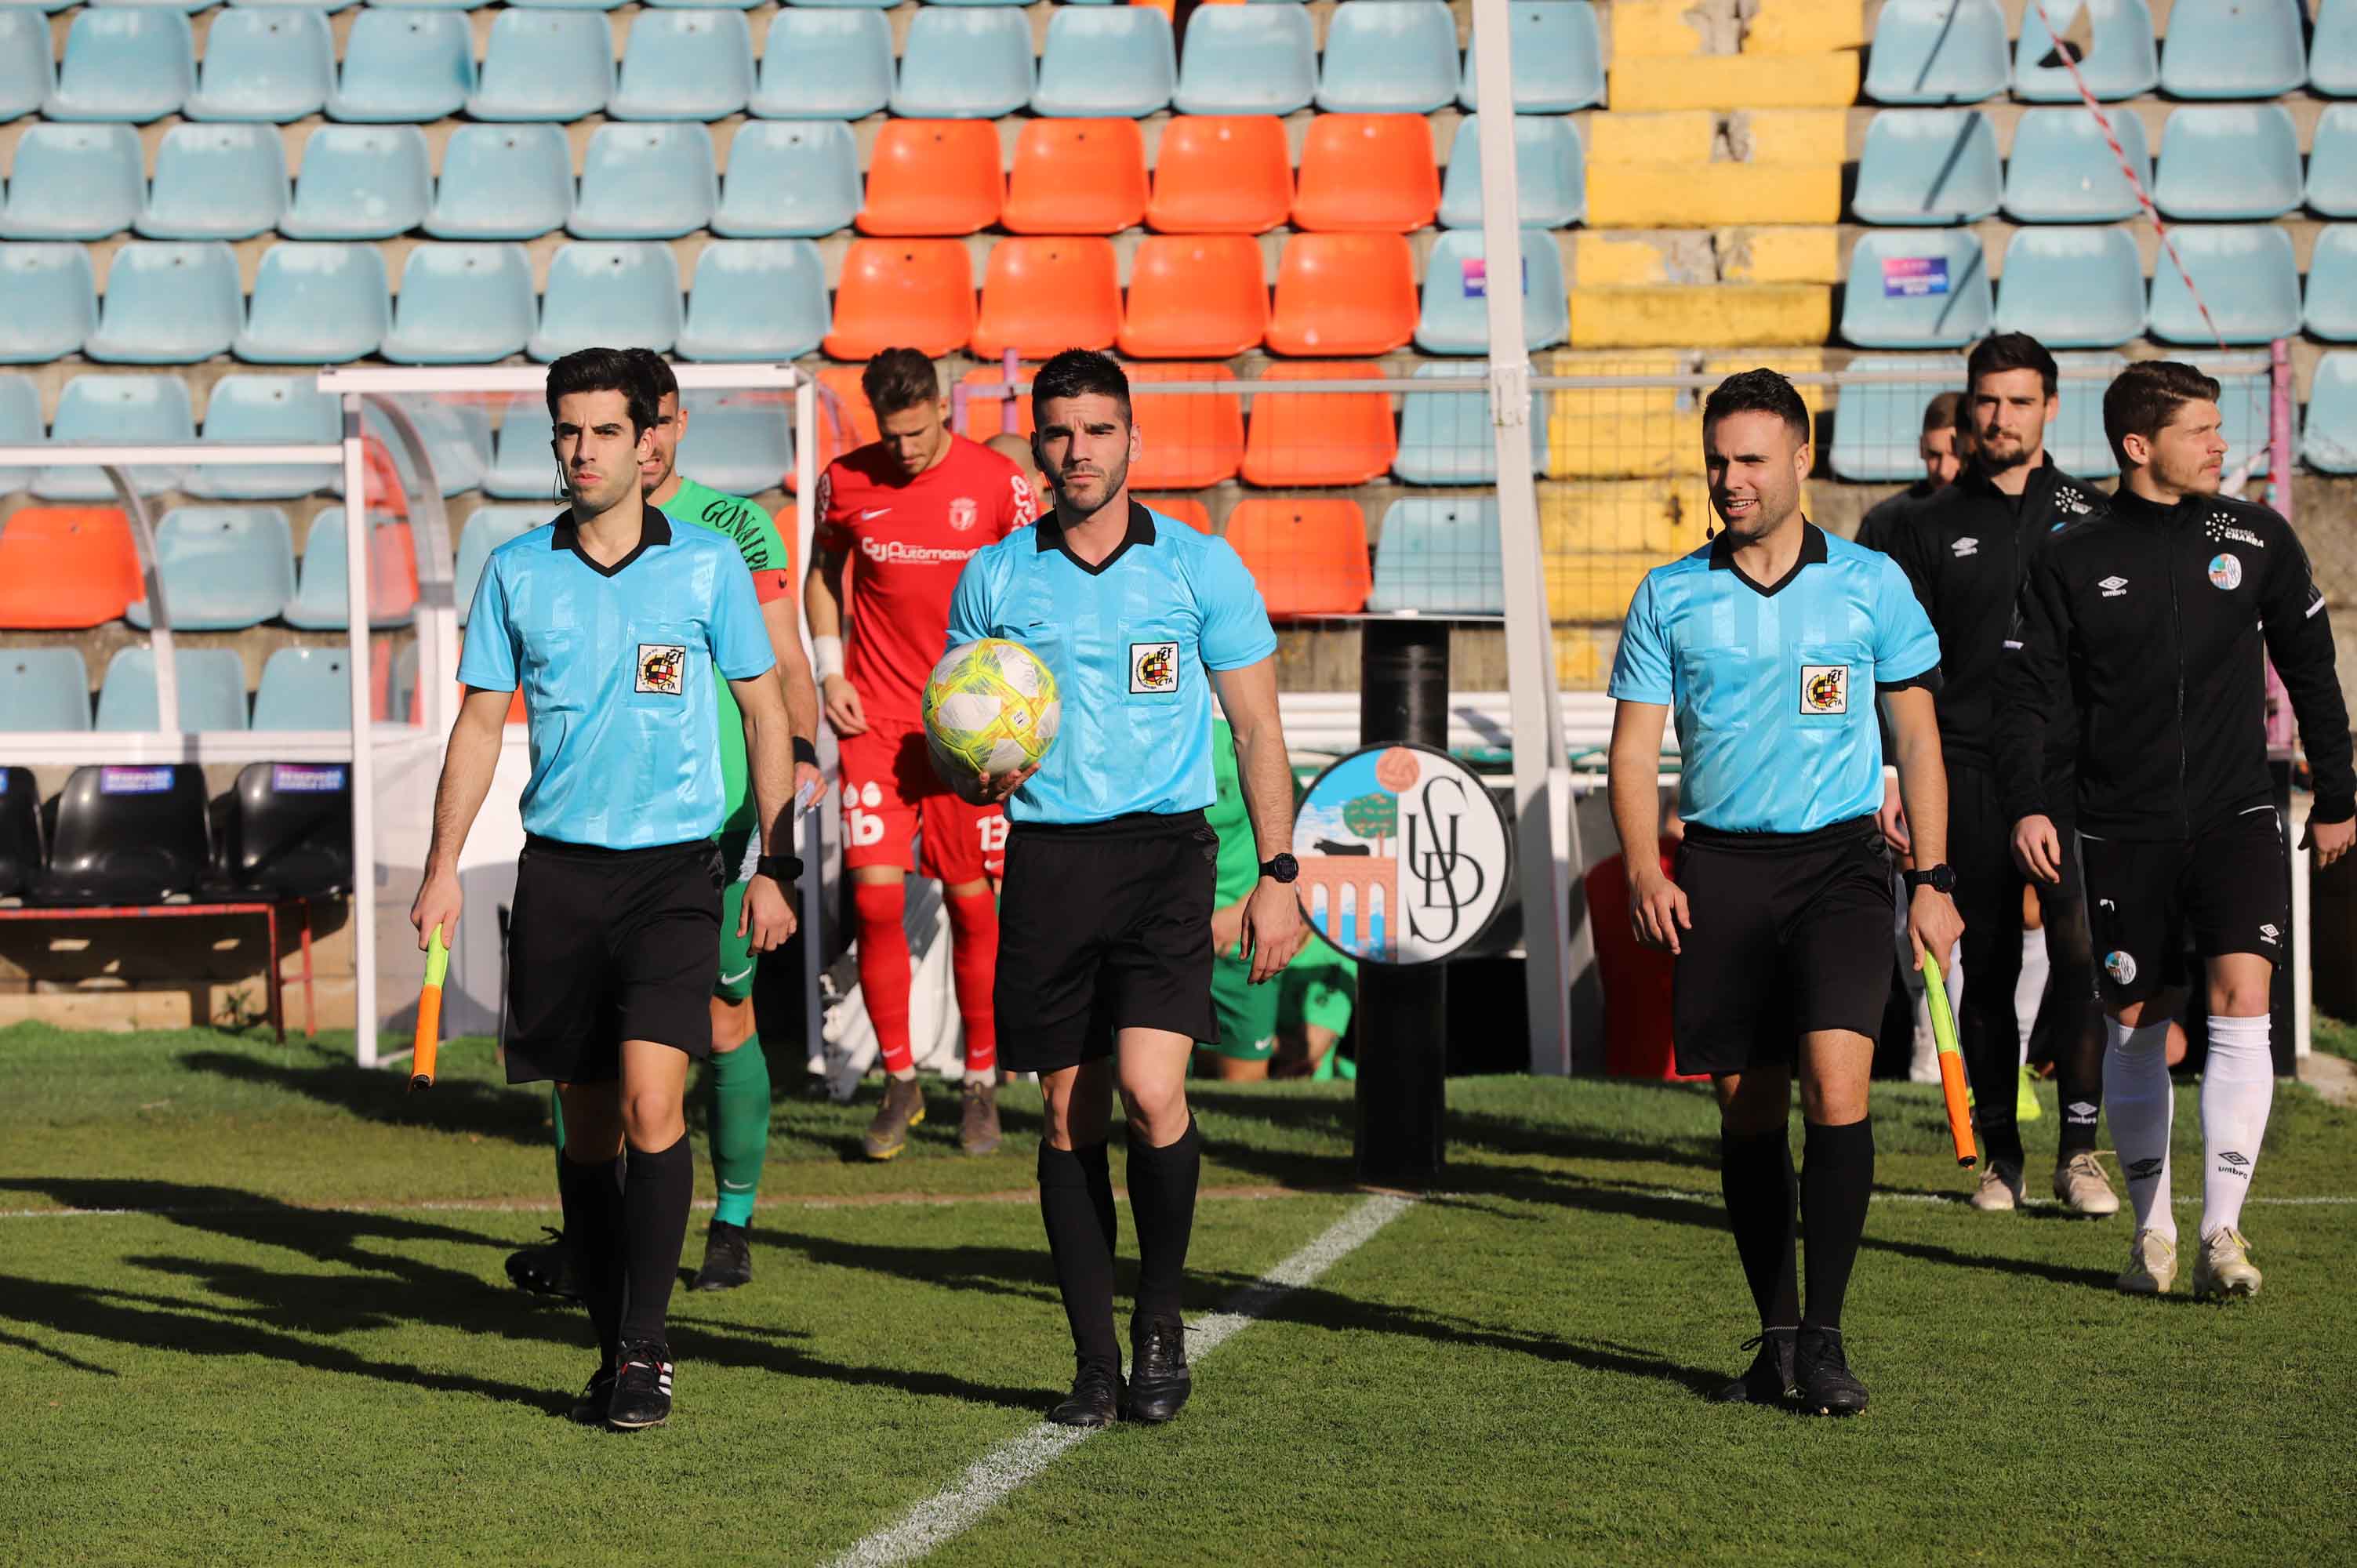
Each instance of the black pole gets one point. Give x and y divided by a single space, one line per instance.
1401 1021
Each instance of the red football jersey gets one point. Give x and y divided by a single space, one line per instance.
909 540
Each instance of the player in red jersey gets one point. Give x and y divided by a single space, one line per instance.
912 507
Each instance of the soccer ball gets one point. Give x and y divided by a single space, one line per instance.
990 708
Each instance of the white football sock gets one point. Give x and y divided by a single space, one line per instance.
2030 989
2238 1086
2138 1100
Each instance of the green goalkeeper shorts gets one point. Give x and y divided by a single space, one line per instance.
734 980
1247 1012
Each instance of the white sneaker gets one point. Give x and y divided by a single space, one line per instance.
1999 1191
2084 1188
2152 1265
1923 1067
2221 1270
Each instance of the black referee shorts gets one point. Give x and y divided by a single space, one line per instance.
1791 933
1103 927
609 945
2226 888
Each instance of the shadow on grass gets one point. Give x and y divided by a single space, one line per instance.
453 1104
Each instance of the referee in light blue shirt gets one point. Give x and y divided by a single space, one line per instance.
1104 946
1771 644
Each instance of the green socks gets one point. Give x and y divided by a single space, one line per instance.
741 1127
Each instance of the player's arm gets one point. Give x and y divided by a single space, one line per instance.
1906 546
737 638
823 601
1932 922
782 618
2299 639
2033 681
466 768
1273 931
1657 906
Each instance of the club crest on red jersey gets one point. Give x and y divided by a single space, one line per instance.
963 513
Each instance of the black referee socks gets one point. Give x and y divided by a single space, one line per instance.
1076 1203
1754 1175
656 1190
1162 1184
1836 1181
592 1197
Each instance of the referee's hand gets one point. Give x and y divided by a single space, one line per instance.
1933 924
438 902
1273 930
765 915
993 789
1657 909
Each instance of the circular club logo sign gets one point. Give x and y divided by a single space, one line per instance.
1402 853
2226 571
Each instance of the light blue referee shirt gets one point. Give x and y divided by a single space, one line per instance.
1773 685
1132 642
615 665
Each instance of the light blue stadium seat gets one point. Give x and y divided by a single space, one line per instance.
1389 56
964 64
2332 312
74 182
1111 63
524 467
211 683
1878 425
845 4
2228 162
189 7
1558 58
267 65
1937 51
215 182
304 688
317 305
2233 48
2076 438
2063 171
458 437
52 306
685 65
360 182
1928 167
794 179
141 409
2329 441
167 304
1920 289
43 688
462 304
756 299
2122 60
2245 274
135 65
1248 60
544 64
1439 557
826 65
2072 288
487 528
1455 318
574 4
2332 163
623 294
324 6
1447 438
504 182
405 66
739 443
646 182
323 584
223 568
2333 52
271 409
27 74
1550 174
993 2
20 423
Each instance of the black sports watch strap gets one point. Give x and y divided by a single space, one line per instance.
781 869
1281 867
1939 878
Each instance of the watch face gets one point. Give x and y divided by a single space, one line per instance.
1285 868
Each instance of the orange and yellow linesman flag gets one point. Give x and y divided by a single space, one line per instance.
1952 1060
429 1013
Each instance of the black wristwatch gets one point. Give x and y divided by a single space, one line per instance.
1283 868
785 869
1937 878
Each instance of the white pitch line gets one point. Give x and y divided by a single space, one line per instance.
2328 1201
951 1511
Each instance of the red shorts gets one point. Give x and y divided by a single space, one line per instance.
891 795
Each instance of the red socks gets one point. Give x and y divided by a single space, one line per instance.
884 967
973 961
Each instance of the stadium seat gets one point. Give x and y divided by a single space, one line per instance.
826 65
315 305
1937 51
1195 296
2332 51
215 182
142 408
44 689
1395 57
2072 288
22 851
1100 64
2063 170
304 688
1222 175
918 292
1076 176
27 76
320 602
1928 167
2076 438
130 65
168 303
65 568
796 179
2332 163
1343 293
1320 438
739 443
405 66
624 293
267 65
544 64
1878 425
462 304
756 300
1558 58
1309 557
2329 441
1040 297
1438 556
487 528
324 8
934 178
964 64
52 304
2122 60
360 182
458 440
685 65
988 411
1447 438
285 830
2245 274
645 182
2243 407
1180 508
211 683
273 411
1550 174
1369 172
524 466
2332 312
74 182
1455 315
1247 60
1192 440
1926 289
20 425
2233 48
223 568
504 182
126 835
845 420
2228 162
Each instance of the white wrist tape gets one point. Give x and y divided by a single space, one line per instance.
826 654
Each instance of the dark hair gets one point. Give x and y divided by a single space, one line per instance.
1943 412
1757 392
605 369
658 371
898 379
1081 372
2147 395
2009 351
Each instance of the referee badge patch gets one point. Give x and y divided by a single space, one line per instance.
1825 688
1153 667
662 667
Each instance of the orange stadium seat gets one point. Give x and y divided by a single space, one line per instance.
1222 175
1042 297
918 292
1186 509
1191 439
1195 296
1320 438
1372 172
986 412
1076 176
1309 557
934 178
1343 293
66 567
